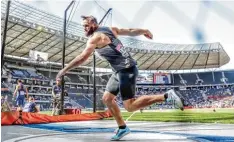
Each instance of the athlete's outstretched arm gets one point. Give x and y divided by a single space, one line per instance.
90 46
132 32
16 89
26 90
53 93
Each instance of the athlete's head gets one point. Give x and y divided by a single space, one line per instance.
90 24
19 82
58 81
31 99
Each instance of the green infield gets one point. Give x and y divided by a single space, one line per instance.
190 115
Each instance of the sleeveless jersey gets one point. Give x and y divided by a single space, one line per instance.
114 53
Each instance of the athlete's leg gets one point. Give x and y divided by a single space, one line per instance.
19 103
109 101
127 79
142 102
147 100
112 89
54 107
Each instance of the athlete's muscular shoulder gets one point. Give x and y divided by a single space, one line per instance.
100 39
114 30
16 87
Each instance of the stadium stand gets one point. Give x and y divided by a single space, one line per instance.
203 89
204 78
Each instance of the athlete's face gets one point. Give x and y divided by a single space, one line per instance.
30 99
89 27
58 82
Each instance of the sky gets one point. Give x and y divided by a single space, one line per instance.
176 22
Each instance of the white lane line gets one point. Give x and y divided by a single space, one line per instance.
32 136
19 134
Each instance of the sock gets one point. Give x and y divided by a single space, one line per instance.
122 127
165 96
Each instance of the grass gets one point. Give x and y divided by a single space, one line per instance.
193 115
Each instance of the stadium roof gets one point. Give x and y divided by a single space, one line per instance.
33 29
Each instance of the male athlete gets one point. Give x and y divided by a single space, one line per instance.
56 93
105 43
20 92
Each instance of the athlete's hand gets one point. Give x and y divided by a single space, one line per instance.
148 34
60 74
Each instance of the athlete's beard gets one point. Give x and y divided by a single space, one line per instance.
91 31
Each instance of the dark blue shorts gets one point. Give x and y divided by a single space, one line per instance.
123 82
20 102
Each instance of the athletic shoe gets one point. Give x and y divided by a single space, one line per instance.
116 130
172 95
120 133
